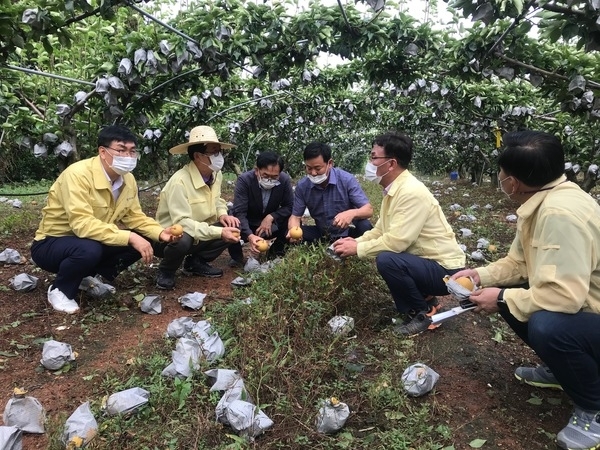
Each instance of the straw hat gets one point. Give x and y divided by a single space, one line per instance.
200 135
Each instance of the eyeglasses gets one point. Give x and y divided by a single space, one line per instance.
130 153
266 177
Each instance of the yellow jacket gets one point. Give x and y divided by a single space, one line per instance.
412 221
556 248
80 203
187 200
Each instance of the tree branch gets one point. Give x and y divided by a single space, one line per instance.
81 17
31 105
554 75
562 10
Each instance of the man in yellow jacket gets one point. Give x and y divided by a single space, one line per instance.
192 199
556 250
414 246
93 223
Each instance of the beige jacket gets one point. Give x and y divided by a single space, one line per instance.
556 250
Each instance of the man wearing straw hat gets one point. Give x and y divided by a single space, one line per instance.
192 199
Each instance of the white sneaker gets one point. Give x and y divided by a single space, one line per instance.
96 288
60 302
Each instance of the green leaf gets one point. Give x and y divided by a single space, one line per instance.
518 5
477 443
535 401
138 298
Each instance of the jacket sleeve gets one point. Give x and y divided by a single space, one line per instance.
180 210
135 219
407 217
241 198
561 268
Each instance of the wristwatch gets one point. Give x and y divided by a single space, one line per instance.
500 302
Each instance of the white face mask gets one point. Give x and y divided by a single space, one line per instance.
371 172
267 184
216 162
318 179
123 164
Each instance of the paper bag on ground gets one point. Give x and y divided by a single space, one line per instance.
332 416
419 379
25 413
56 354
180 327
126 401
80 427
23 282
11 438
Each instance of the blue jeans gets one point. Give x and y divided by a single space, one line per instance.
569 344
72 259
411 279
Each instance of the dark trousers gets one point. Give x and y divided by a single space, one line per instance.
569 344
312 233
411 279
173 254
278 231
72 259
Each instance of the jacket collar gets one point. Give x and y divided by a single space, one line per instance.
529 207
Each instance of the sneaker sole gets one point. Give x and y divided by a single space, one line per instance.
539 385
165 288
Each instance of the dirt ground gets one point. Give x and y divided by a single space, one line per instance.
477 395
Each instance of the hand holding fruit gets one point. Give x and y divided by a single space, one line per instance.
171 234
262 245
294 234
230 234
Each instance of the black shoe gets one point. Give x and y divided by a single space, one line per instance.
201 268
165 280
236 263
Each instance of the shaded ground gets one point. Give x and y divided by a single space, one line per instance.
477 395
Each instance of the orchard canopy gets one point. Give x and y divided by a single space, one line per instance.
252 70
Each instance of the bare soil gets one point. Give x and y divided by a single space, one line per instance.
477 395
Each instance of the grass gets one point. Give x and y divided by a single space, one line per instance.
290 362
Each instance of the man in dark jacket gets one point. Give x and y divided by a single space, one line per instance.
263 202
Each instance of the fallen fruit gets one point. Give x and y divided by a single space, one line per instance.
176 230
262 245
296 233
492 248
466 283
236 233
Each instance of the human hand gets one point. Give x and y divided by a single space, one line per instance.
167 235
345 247
229 221
230 234
486 299
468 273
264 228
142 246
344 219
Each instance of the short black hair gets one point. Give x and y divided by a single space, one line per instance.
266 159
396 145
196 148
115 133
316 149
534 157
